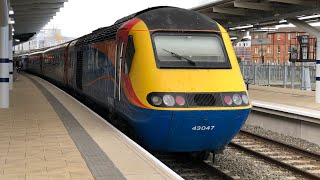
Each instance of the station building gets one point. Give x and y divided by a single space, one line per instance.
271 46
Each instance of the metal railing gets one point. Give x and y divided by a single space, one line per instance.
294 75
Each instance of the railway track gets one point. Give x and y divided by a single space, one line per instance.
191 170
296 160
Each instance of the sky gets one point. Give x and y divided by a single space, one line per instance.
80 17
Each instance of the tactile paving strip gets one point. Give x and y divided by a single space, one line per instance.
98 162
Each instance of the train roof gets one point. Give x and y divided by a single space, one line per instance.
160 17
173 18
33 51
127 18
109 32
100 34
59 46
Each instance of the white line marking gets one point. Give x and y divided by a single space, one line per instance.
287 108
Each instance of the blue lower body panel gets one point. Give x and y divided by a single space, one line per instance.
186 131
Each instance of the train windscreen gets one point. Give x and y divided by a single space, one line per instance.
190 51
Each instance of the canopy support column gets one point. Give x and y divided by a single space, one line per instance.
4 57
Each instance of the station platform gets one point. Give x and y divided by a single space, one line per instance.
286 96
47 134
285 99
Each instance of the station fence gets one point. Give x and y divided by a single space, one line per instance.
289 75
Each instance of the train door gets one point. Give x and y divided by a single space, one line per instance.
72 60
41 63
79 69
118 70
66 65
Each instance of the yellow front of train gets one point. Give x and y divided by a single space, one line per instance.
190 85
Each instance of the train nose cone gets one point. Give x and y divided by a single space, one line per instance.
204 130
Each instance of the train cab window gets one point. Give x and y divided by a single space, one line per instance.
129 54
194 50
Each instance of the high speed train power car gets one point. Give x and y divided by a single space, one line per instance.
170 73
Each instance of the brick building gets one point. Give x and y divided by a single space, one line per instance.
243 49
275 46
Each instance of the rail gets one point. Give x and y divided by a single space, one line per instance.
286 156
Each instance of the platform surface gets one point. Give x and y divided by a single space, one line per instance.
285 96
46 134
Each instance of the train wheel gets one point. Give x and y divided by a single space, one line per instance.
112 118
213 157
199 156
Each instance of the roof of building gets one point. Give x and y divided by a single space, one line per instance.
31 15
258 13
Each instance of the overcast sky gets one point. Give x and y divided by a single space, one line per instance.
79 17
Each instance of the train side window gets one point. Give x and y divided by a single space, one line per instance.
129 54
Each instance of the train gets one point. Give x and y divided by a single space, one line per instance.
170 73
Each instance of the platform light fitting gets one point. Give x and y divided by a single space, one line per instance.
242 27
309 17
270 28
11 21
302 18
283 21
11 12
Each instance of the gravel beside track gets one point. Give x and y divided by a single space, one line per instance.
303 144
248 167
191 170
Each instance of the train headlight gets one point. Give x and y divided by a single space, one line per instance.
180 100
245 99
156 100
168 100
227 100
237 99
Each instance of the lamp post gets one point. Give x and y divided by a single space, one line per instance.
261 49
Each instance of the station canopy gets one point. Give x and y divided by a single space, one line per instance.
247 14
30 16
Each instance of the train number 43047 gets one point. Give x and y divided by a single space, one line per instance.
202 128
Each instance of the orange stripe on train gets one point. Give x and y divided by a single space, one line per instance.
98 78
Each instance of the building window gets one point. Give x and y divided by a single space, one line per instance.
256 50
269 36
279 36
279 49
268 50
289 36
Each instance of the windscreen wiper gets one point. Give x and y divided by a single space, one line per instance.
180 57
